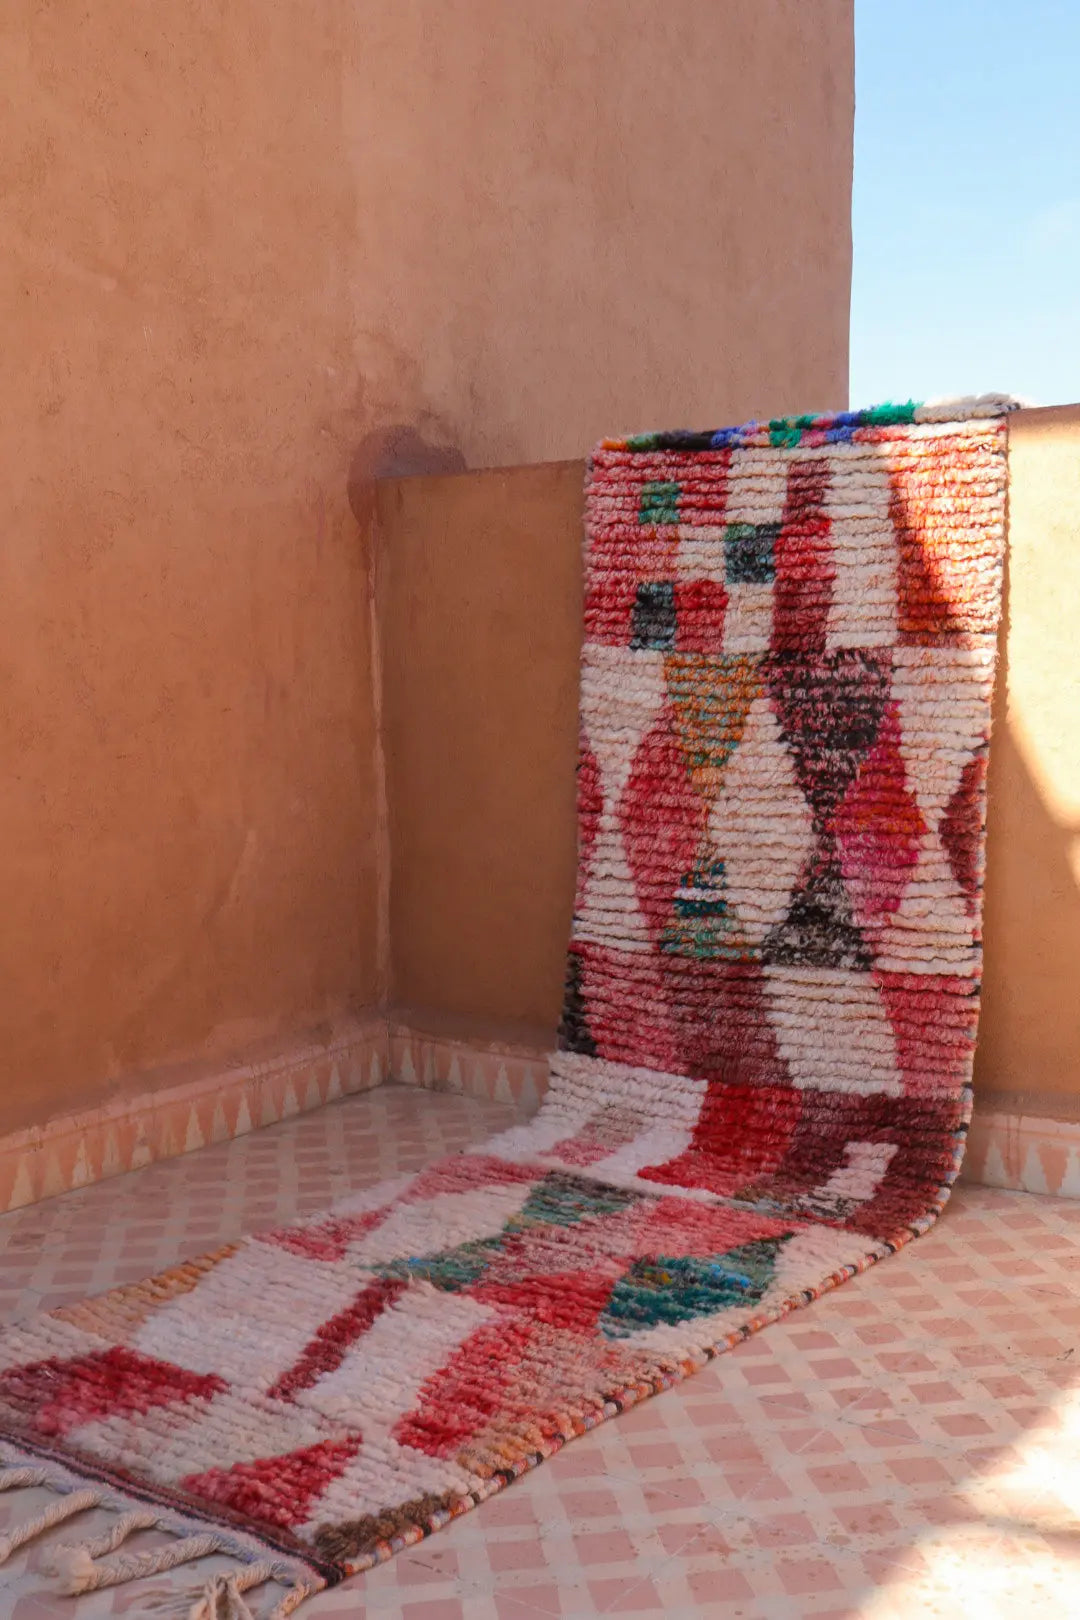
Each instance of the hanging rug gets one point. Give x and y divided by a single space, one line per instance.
763 1077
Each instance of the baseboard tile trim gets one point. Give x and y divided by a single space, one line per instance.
214 1105
1024 1153
493 1070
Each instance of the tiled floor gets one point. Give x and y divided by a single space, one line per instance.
908 1447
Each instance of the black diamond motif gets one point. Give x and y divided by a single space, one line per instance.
653 623
819 930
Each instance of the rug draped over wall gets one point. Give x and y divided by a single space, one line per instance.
763 1082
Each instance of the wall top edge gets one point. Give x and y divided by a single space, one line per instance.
1027 417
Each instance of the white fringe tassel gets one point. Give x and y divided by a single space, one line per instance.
21 1479
221 1598
79 1573
56 1512
75 1563
89 1566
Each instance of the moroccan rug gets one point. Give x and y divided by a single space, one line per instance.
763 1081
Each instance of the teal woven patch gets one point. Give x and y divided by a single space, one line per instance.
659 503
670 1289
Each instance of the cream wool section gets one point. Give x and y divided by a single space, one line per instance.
188 1438
701 552
758 786
389 1472
756 487
581 1091
49 1337
437 1223
933 929
864 1169
250 1318
748 621
816 1045
863 608
634 688
381 1377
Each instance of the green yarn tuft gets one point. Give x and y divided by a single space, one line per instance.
890 415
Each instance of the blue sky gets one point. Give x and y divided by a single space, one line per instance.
966 214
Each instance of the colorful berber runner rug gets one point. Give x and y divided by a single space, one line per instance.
763 1078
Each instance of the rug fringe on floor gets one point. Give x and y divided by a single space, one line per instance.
89 1566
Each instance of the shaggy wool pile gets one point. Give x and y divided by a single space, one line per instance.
763 1081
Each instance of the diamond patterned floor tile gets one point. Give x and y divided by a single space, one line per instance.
907 1447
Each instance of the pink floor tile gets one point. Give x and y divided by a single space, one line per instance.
665 1454
802 1576
862 1460
674 1537
918 1470
964 1424
437 1609
783 1530
604 1547
807 1339
529 1603
719 1586
626 1596
414 1572
865 1518
582 1505
685 1492
732 1448
513 1509
525 1553
837 1479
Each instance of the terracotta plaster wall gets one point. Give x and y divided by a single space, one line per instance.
253 257
186 727
579 218
481 601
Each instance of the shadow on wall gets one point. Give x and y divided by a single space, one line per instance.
1031 930
397 451
1029 1030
